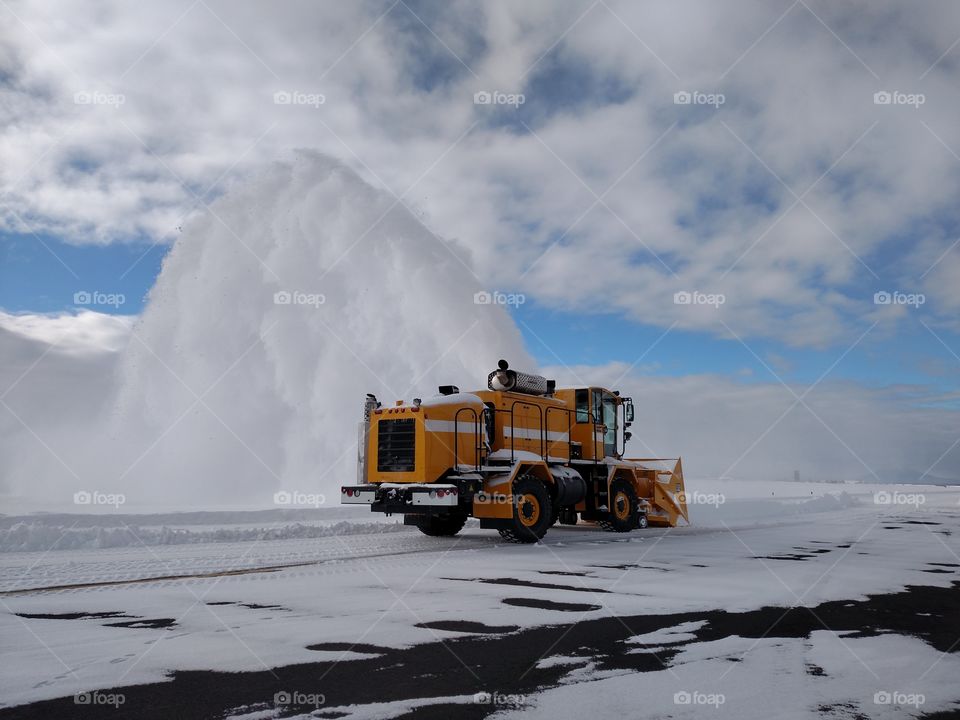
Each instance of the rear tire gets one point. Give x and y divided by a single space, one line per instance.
532 512
624 508
442 525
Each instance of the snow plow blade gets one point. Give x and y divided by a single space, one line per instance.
665 493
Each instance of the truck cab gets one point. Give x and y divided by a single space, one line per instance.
601 420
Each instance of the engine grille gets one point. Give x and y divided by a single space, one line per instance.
396 445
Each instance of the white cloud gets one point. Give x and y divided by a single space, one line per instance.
198 89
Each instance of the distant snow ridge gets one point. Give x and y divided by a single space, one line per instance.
24 537
828 502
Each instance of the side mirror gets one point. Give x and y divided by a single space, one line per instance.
628 411
627 436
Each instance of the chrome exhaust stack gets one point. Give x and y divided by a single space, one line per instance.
503 379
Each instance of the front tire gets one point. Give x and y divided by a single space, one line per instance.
442 525
532 512
624 508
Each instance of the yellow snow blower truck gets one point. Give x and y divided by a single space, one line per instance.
520 456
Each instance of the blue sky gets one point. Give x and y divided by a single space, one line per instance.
34 280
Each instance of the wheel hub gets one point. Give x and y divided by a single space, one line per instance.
529 510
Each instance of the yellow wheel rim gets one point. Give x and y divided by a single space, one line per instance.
529 509
621 506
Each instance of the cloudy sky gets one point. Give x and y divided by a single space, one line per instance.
745 214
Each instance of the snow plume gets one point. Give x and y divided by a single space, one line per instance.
275 312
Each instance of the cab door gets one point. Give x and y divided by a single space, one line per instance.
605 418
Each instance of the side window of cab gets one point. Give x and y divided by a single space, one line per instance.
583 406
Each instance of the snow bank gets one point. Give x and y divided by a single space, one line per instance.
41 537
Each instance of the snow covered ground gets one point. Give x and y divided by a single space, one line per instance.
793 599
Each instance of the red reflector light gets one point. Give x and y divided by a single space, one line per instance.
349 492
440 493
